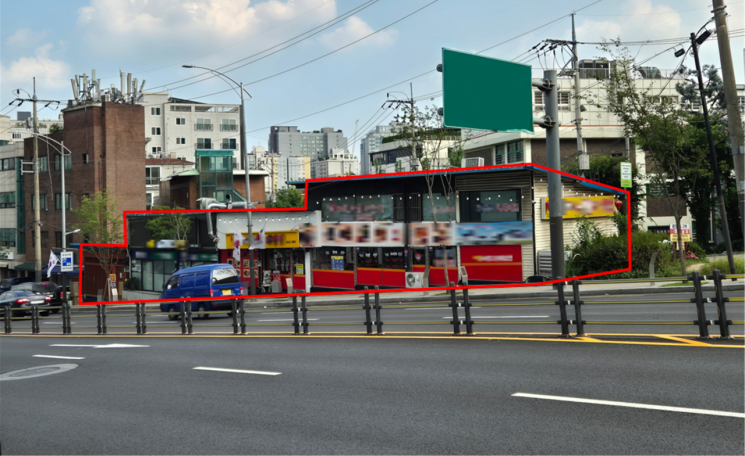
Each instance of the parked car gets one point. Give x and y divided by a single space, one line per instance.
21 302
210 280
6 284
48 289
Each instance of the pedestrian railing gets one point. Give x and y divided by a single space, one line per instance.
568 295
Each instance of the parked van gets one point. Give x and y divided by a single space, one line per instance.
210 280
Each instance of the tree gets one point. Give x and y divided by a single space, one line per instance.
658 127
55 128
287 197
100 223
171 225
378 166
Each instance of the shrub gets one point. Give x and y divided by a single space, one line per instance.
697 250
723 266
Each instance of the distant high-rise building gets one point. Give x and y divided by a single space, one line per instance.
371 142
289 141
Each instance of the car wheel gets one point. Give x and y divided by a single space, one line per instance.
171 310
54 311
44 313
203 308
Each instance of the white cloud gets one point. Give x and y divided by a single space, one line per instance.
23 38
355 28
640 19
55 73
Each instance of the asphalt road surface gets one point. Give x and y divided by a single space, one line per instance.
434 317
368 396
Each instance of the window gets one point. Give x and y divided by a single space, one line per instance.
42 202
148 201
58 239
155 111
564 100
43 164
490 206
58 201
156 149
538 99
180 121
229 144
204 143
155 131
8 199
742 105
44 239
85 158
229 125
58 160
180 140
152 175
204 125
8 164
181 108
8 237
16 136
360 208
509 153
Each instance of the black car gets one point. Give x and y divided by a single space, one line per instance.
21 302
49 289
6 284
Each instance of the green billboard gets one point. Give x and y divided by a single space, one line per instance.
486 93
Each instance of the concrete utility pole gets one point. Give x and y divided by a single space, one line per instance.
244 152
583 160
37 209
713 158
553 155
734 119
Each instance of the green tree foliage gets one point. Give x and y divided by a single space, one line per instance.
55 128
174 226
287 197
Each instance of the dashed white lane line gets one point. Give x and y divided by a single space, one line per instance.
58 357
632 405
274 313
510 316
237 371
101 346
55 323
435 308
290 319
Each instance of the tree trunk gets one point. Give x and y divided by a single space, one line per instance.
681 250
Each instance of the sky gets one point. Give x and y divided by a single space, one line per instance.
55 40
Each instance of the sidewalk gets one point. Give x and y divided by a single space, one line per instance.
587 288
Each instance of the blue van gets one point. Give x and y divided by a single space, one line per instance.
202 282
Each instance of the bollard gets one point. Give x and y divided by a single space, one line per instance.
189 325
234 314
562 309
304 310
183 318
99 326
368 321
144 319
378 321
242 310
721 310
467 306
454 306
8 319
295 322
138 322
703 327
34 319
64 319
578 309
103 320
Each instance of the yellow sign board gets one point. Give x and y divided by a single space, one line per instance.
685 233
582 206
274 239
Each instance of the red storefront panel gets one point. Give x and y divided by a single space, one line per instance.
394 278
333 279
298 282
437 274
370 276
495 263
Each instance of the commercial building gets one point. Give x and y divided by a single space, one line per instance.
12 215
289 141
340 163
371 143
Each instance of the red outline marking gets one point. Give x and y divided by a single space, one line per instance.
395 290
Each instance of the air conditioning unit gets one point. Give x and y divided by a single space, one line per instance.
414 279
149 156
472 162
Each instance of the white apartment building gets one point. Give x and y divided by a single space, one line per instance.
371 143
23 127
340 163
12 211
157 169
281 169
175 128
289 141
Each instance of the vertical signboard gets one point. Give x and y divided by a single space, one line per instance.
626 175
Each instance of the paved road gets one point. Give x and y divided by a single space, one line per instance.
368 396
522 318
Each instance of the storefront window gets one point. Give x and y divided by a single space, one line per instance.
393 258
490 206
335 259
437 257
368 257
147 275
359 208
439 205
279 260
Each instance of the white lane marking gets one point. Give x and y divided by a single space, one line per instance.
158 322
60 357
101 346
237 371
56 323
70 345
511 316
436 308
275 313
291 319
633 405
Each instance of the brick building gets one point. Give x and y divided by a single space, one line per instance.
106 141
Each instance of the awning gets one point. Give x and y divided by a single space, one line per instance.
25 267
3 264
58 271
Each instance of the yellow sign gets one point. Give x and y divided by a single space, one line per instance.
274 240
685 233
582 206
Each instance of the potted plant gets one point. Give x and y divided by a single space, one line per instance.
132 283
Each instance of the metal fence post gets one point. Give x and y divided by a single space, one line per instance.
304 310
562 309
703 327
368 320
99 326
189 325
467 306
144 319
103 320
139 321
8 319
34 319
723 322
234 314
378 321
183 317
242 310
295 321
454 306
578 308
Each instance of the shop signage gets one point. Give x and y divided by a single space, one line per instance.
379 234
272 240
337 263
582 206
430 233
626 175
493 262
685 232
165 255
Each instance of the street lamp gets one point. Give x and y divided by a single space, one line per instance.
244 154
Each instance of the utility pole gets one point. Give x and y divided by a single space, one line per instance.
244 152
734 119
555 209
713 155
582 158
37 209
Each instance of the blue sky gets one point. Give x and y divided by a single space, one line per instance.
54 40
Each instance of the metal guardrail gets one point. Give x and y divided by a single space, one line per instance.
374 323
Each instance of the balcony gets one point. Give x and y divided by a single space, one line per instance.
203 127
203 145
228 127
228 146
152 181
